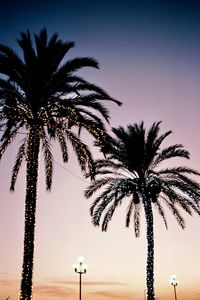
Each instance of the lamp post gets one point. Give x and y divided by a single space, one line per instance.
174 283
80 268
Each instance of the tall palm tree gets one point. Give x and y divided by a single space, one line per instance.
41 95
131 171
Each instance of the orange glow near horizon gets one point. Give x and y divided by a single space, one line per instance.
148 53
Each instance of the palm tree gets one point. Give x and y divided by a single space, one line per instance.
41 95
131 171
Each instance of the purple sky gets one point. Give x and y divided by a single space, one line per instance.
149 57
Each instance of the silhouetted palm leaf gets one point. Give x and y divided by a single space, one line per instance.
131 172
42 95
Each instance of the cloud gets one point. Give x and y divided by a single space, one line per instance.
8 282
53 290
114 295
89 283
41 289
3 274
9 288
61 289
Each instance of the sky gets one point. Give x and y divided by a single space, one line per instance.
148 53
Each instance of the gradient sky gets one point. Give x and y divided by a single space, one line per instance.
149 57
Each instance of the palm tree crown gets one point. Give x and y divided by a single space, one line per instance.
131 170
41 94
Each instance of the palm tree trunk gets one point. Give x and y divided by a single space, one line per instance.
150 250
30 212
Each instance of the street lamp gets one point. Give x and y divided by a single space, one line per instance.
80 268
174 282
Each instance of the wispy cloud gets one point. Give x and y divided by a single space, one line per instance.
8 282
93 283
9 288
114 295
3 274
61 289
53 290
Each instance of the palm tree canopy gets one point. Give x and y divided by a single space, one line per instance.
132 171
42 89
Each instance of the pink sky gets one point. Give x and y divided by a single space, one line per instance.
156 79
64 230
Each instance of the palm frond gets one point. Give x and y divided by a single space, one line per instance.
26 45
161 211
12 66
63 144
48 161
98 184
182 188
161 138
129 213
152 144
110 211
103 198
58 47
183 202
85 105
187 181
40 93
7 137
176 214
20 155
82 152
77 63
194 206
187 208
41 42
99 205
136 220
130 147
177 170
96 131
170 152
152 135
107 163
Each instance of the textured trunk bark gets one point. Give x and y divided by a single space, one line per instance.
150 250
30 213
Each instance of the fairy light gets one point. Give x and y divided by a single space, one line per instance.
150 247
30 211
24 104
